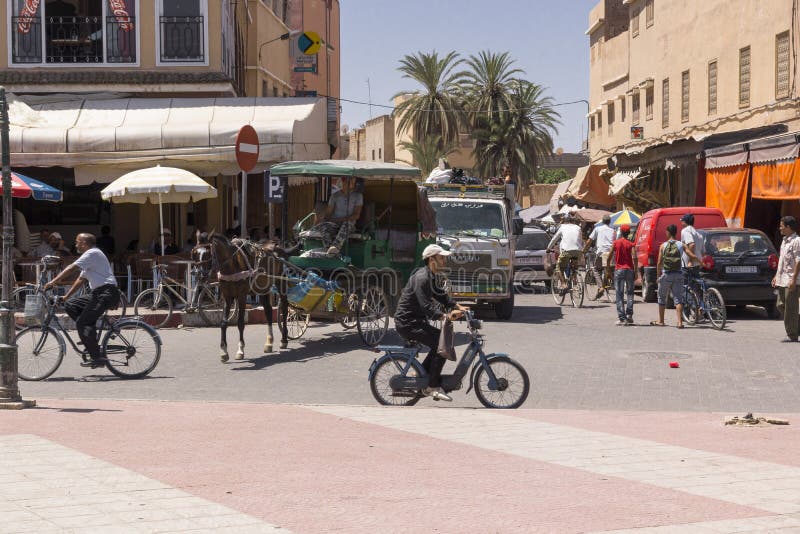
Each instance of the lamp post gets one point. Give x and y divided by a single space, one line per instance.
10 397
284 37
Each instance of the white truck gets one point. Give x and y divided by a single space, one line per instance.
477 224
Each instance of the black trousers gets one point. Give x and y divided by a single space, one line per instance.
86 310
427 335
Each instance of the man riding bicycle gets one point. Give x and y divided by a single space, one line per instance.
86 310
602 237
421 301
571 244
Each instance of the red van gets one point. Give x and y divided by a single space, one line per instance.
651 233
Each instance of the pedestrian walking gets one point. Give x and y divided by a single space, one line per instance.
624 260
785 280
670 277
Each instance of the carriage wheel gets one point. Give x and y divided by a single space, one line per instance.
349 320
296 323
373 315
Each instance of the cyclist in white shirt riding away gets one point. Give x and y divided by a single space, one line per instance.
87 309
571 244
602 237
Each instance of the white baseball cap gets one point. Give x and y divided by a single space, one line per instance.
434 250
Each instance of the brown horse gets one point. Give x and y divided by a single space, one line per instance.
243 268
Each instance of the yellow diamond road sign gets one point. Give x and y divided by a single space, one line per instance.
309 43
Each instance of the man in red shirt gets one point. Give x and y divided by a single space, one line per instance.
624 256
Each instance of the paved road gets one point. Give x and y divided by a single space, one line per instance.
576 359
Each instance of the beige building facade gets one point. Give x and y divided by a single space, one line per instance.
682 69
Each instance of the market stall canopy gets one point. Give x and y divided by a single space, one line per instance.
590 215
534 212
158 184
560 192
344 167
103 139
589 187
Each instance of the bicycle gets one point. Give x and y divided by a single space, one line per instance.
203 298
48 264
398 378
575 285
592 276
131 346
702 302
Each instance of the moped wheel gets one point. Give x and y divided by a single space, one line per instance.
715 308
39 352
156 304
381 388
296 323
556 288
132 347
511 388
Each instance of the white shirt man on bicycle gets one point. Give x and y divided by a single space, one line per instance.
570 243
87 309
602 237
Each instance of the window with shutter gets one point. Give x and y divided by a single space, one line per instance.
648 103
712 87
635 107
622 106
649 12
665 103
744 77
611 117
685 96
634 21
782 65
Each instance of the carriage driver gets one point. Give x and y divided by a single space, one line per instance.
87 309
344 209
423 300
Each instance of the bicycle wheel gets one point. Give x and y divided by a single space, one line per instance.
156 304
691 308
122 307
296 323
512 386
578 290
557 289
209 307
132 347
715 308
592 285
39 352
387 368
349 320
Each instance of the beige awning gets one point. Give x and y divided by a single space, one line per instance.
104 139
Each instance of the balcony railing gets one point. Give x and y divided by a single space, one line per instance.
74 39
26 40
182 39
121 39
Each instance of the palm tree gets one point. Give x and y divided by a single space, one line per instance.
426 152
521 137
489 83
436 108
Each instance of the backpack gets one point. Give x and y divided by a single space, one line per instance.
671 256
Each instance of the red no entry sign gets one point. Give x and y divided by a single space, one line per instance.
247 148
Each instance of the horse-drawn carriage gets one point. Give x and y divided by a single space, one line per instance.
361 283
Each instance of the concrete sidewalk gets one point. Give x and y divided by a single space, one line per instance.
136 466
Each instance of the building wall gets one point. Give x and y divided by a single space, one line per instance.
269 66
380 139
685 35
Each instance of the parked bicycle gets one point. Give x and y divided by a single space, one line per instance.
594 279
398 378
203 298
48 265
132 347
701 302
575 285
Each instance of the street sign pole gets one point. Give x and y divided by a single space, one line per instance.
243 206
10 397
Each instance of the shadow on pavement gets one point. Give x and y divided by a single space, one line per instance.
75 410
101 378
536 314
313 349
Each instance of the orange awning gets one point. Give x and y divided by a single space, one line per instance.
726 189
589 187
776 171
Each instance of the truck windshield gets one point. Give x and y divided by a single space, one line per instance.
468 217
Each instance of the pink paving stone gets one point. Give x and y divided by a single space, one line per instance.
705 431
312 472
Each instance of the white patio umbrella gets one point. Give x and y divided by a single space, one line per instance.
158 184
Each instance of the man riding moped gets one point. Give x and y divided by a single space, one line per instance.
421 301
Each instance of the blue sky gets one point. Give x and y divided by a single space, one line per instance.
546 37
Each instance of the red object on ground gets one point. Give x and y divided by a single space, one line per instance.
674 365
